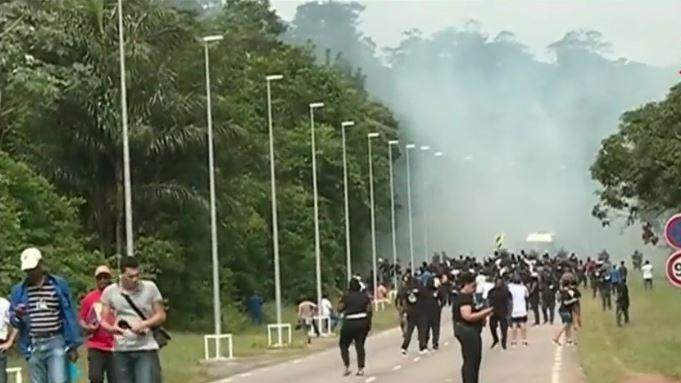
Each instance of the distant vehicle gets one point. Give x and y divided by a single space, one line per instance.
541 242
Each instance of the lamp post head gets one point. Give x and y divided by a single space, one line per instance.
438 154
410 146
393 142
425 147
316 105
209 39
373 135
347 123
274 77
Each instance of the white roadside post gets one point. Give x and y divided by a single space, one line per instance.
424 210
127 188
348 255
279 326
217 336
317 248
410 147
392 209
373 219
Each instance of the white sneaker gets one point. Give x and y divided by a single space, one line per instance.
404 352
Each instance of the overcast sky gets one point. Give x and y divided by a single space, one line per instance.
648 31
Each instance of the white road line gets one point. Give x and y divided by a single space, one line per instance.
370 379
297 361
397 367
417 359
557 364
245 375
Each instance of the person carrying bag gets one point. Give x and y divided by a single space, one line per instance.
161 335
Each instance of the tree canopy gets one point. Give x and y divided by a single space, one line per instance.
60 114
639 167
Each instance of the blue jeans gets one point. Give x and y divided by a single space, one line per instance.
48 361
3 367
137 366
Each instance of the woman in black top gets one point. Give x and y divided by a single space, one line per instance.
355 306
569 297
469 320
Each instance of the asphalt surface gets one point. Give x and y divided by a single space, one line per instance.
540 362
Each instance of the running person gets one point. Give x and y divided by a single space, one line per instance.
568 299
519 294
469 320
355 306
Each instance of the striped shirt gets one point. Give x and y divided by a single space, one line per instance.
43 309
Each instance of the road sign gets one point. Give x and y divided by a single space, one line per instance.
672 231
673 269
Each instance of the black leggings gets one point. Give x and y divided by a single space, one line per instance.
354 330
431 322
502 322
549 310
414 321
534 304
471 350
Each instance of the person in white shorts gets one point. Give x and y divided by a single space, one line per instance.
519 294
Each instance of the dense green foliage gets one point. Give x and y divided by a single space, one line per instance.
639 167
60 113
32 214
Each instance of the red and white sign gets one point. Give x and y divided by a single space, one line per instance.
673 269
672 231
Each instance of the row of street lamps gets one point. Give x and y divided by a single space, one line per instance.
275 233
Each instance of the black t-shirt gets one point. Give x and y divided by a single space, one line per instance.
500 299
412 299
569 298
460 301
431 299
548 290
355 302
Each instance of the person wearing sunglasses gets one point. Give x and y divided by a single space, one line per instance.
99 342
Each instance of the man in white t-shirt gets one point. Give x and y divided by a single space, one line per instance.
519 294
647 275
327 311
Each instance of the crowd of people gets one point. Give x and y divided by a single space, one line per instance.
504 291
119 322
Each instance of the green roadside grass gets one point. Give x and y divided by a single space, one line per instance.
649 344
181 359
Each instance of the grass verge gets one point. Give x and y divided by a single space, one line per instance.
649 344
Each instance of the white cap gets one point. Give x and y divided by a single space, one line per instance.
30 258
102 269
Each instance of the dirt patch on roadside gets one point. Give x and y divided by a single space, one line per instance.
648 378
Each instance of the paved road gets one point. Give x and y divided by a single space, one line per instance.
540 362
